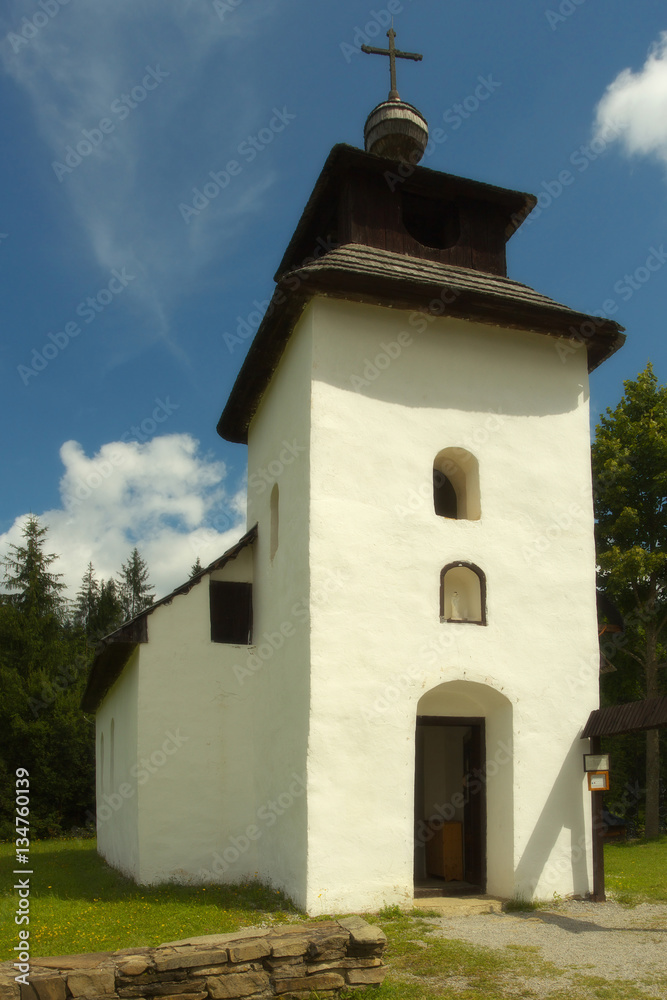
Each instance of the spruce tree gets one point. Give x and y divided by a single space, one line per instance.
43 667
196 567
87 601
27 571
98 610
109 609
38 604
135 590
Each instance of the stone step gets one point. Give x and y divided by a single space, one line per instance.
460 906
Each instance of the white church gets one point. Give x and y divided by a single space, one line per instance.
380 690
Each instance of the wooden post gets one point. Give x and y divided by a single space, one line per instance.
599 895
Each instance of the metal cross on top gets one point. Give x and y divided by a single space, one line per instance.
393 54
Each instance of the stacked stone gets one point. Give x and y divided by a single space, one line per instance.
288 962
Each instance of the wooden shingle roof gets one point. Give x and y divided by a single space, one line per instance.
632 717
375 276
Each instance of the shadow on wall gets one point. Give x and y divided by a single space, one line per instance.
563 809
394 363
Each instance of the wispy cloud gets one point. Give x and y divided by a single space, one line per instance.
639 101
163 496
118 87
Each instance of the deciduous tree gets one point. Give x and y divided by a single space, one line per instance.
630 488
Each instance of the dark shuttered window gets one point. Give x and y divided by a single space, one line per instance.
231 612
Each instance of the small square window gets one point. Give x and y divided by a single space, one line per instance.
231 612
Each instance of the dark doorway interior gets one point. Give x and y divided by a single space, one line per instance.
450 806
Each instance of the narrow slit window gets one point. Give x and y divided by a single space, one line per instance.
112 741
275 516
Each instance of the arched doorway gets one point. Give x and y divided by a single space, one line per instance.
463 790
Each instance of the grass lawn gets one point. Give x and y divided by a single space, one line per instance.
636 872
79 904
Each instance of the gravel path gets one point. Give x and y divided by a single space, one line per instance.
597 939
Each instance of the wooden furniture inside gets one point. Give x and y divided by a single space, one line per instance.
444 851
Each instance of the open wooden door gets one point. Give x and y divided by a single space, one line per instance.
474 809
450 804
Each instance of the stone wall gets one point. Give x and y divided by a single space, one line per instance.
288 961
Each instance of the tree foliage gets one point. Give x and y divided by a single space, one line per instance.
87 600
630 489
43 667
630 480
46 649
38 590
109 610
134 587
98 609
196 567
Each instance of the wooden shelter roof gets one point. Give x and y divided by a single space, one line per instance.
632 717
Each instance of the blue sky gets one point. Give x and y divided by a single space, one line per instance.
118 287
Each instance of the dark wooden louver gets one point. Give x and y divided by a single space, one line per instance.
231 612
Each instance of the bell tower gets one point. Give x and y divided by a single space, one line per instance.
424 580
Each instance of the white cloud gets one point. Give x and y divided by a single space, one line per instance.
162 496
638 102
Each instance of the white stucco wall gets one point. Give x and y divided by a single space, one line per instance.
117 814
348 643
186 763
377 644
194 733
278 668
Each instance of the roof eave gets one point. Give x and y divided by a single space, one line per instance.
115 649
108 665
631 717
288 304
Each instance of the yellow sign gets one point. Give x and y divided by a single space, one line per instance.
598 781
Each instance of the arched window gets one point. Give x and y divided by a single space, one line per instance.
274 520
456 485
463 594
